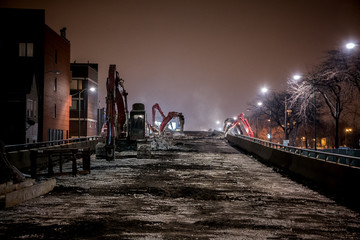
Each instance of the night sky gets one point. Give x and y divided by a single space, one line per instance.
206 59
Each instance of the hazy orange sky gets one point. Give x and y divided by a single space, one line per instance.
205 58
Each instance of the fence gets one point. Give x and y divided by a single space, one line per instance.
318 154
18 147
59 157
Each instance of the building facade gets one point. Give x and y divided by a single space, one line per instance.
84 105
57 80
35 78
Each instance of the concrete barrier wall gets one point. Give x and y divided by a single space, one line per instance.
331 176
21 159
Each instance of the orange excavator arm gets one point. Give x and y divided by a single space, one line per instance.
167 119
239 122
156 106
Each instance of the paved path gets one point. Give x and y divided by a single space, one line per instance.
201 189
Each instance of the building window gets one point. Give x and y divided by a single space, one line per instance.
76 84
30 108
35 109
55 84
74 104
26 49
54 111
73 84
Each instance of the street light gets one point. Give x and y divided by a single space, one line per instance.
347 131
296 77
350 45
265 90
92 89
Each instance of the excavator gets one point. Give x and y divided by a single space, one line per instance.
115 117
122 130
238 125
166 119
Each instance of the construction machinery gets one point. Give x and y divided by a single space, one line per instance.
166 119
121 130
238 125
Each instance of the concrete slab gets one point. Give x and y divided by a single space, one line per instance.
10 186
18 196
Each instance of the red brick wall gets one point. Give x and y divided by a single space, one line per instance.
56 47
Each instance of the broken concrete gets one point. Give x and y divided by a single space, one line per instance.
14 194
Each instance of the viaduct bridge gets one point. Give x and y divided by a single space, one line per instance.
197 186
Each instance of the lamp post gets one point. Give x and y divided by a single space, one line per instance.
297 77
265 90
257 120
347 131
92 89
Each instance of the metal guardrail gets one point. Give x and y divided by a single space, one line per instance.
326 156
18 147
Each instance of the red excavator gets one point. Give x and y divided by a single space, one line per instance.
116 118
238 125
166 119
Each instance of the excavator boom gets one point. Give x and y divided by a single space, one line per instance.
167 119
239 123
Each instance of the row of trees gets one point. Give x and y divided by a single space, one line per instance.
323 99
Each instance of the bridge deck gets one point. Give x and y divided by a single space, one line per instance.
202 189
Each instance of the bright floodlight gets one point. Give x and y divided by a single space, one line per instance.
92 89
217 122
234 118
264 90
350 45
296 77
259 104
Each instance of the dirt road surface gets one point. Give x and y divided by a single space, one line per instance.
201 188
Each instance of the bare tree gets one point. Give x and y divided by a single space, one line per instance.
276 107
330 80
351 67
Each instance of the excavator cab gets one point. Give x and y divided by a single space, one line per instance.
137 122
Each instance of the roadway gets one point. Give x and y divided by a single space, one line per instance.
201 188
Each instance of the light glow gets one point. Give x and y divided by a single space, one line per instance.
350 45
296 77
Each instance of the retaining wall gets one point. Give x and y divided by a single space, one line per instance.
332 176
21 159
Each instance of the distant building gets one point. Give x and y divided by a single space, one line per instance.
35 78
84 106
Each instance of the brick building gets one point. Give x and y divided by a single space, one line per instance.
35 78
84 106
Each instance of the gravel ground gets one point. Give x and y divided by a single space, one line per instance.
200 188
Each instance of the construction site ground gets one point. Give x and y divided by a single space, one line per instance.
194 186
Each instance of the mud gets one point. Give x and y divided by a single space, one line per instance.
197 188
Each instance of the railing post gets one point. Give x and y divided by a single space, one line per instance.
60 162
50 164
33 163
86 159
74 166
